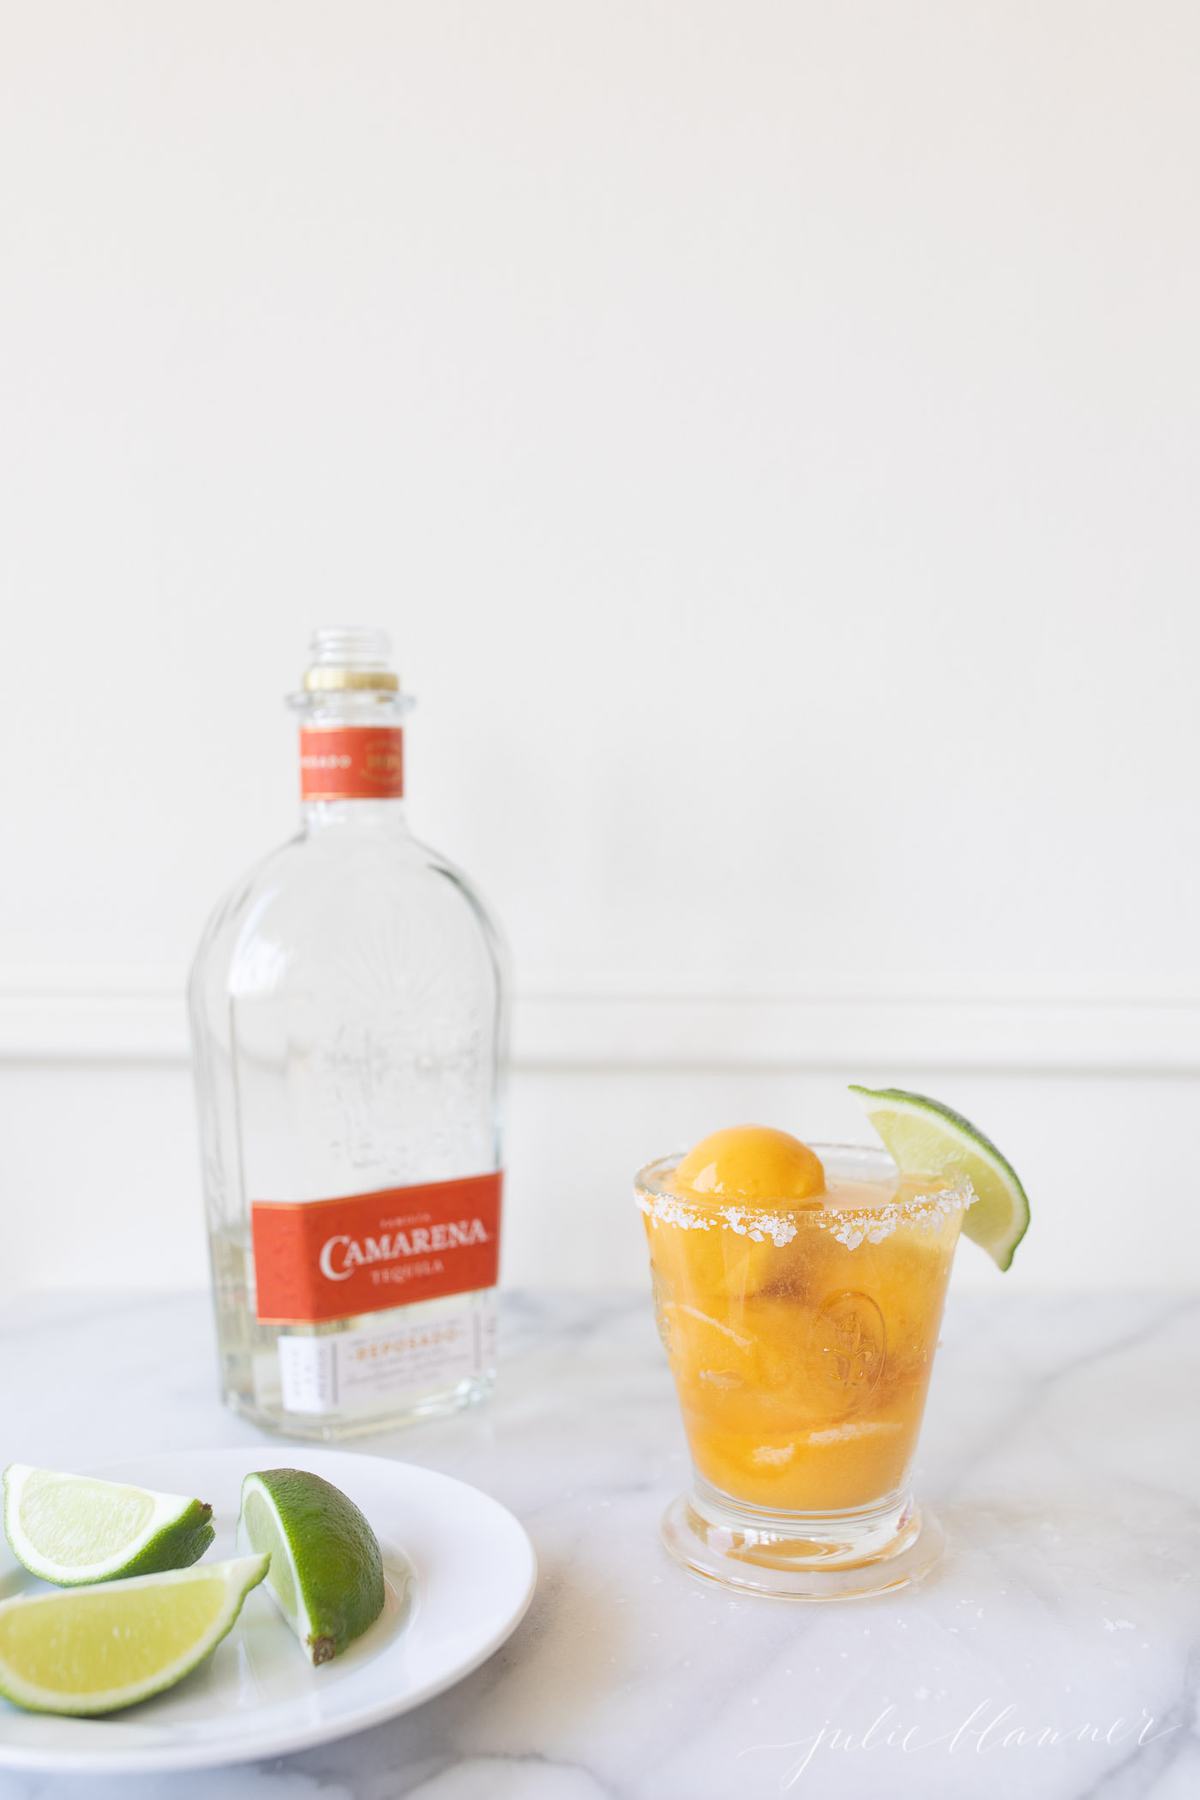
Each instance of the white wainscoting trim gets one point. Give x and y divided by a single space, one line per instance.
138 1015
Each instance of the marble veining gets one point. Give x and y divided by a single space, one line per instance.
1055 1653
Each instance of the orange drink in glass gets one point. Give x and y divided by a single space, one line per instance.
801 1330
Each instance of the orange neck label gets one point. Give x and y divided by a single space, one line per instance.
320 1260
351 762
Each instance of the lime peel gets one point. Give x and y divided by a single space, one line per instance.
74 1530
84 1651
326 1565
926 1137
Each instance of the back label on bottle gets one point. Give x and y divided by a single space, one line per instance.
353 762
322 1260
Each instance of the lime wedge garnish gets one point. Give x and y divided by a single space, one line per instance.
326 1568
927 1138
70 1529
92 1650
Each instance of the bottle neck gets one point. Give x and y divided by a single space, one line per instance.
351 734
374 815
351 762
351 772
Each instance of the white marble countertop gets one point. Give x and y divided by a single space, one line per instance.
1060 1449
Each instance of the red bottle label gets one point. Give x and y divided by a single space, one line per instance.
352 762
329 1259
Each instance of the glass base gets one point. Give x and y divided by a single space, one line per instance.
802 1556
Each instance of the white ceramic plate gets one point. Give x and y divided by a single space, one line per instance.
460 1573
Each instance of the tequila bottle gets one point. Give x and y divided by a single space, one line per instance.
349 1029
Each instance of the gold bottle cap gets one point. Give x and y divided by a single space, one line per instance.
326 677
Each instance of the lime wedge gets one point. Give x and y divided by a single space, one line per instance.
927 1138
93 1650
326 1569
71 1530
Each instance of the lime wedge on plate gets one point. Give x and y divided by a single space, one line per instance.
95 1649
326 1569
70 1529
927 1138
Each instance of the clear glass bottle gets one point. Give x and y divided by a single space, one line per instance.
349 1035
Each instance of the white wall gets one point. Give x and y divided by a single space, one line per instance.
772 434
